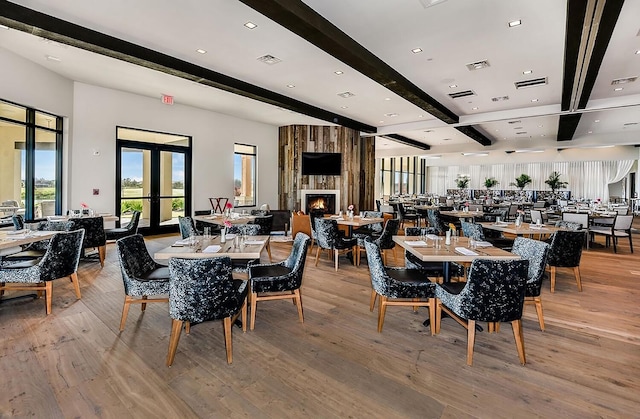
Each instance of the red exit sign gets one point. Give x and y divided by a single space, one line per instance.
167 100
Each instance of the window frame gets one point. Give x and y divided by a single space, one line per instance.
254 176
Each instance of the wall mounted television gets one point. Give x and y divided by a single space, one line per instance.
325 164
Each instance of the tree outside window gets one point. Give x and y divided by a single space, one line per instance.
244 175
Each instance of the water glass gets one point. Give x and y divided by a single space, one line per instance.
455 236
207 233
472 243
438 242
497 220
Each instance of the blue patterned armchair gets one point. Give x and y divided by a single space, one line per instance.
435 221
141 275
60 260
494 292
536 252
94 235
565 252
201 290
384 241
280 280
472 230
130 229
18 221
187 227
398 286
242 265
330 239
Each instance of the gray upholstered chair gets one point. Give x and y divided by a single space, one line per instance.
536 252
566 252
385 240
494 292
141 275
187 227
94 235
435 221
472 230
59 261
201 290
330 239
130 229
397 286
282 280
242 265
620 228
18 221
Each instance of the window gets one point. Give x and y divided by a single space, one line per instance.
244 175
402 175
30 161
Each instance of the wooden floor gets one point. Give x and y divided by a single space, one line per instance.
75 363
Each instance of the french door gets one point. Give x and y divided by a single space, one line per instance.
153 178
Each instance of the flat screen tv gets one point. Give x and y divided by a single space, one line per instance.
326 164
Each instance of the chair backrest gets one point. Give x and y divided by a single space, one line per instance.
475 207
449 202
259 212
513 210
379 278
391 227
536 215
297 258
539 204
378 203
18 221
562 203
377 227
94 234
435 220
202 289
472 230
622 210
569 225
245 229
583 219
50 226
266 223
623 222
327 233
566 248
386 208
536 252
134 259
62 255
187 227
132 226
418 231
494 291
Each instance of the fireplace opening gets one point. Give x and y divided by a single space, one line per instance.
321 203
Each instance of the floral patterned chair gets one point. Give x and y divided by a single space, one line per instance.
384 241
60 260
201 290
266 224
370 229
397 286
187 227
282 280
565 252
536 253
130 229
242 265
141 275
494 292
435 221
18 221
330 239
94 235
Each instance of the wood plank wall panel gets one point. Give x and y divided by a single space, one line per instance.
358 164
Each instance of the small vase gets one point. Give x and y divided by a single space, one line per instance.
350 214
223 234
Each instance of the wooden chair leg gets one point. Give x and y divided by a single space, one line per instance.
254 304
471 337
336 254
187 328
243 314
227 339
382 309
395 256
519 337
176 329
269 251
47 295
298 300
76 284
576 272
553 278
372 303
317 255
102 252
125 311
490 326
432 315
438 315
538 303
143 306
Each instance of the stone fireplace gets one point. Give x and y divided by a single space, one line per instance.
326 201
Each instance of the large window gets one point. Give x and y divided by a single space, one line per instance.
402 175
30 161
244 175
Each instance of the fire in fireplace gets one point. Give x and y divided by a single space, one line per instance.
321 203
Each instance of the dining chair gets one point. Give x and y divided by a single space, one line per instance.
94 235
37 249
620 228
282 280
141 275
18 221
130 229
404 214
536 253
397 286
431 269
494 292
201 290
385 241
435 221
582 218
241 266
566 251
59 261
187 227
266 223
330 239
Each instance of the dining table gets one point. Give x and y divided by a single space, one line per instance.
356 221
463 215
220 219
13 238
525 229
208 247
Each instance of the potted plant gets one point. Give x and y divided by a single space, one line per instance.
462 182
490 182
521 181
555 183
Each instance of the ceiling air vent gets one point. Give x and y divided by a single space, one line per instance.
624 80
269 59
429 3
478 65
346 94
499 98
464 93
517 121
628 124
531 83
521 132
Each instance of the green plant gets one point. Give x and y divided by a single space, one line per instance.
462 182
554 182
490 182
177 204
521 181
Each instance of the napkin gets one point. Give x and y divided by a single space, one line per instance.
465 251
416 243
483 244
535 227
14 232
183 242
230 236
431 236
250 242
214 248
501 223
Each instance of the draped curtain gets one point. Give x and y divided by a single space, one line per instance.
586 179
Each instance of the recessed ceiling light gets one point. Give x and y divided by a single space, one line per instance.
590 132
453 86
338 72
540 126
387 98
269 59
514 23
343 107
250 25
291 86
542 135
637 52
346 94
391 115
381 122
416 50
617 89
597 120
527 72
420 116
52 58
201 51
475 154
475 108
534 100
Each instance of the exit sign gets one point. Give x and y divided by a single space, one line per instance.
167 100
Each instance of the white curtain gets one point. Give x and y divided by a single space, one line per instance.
586 180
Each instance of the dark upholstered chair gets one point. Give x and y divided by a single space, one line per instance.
266 223
566 252
241 265
397 286
37 249
472 230
282 280
330 239
141 275
201 290
385 240
130 229
494 292
404 214
432 269
435 221
60 260
187 227
18 221
369 229
536 253
570 225
620 228
94 236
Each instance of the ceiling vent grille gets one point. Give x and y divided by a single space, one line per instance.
531 83
478 65
499 98
624 80
628 124
429 3
464 93
269 59
346 94
521 132
517 121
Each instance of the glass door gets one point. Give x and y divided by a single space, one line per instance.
153 179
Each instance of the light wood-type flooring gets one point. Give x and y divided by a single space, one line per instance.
75 363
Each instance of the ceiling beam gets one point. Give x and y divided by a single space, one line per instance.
407 141
49 27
